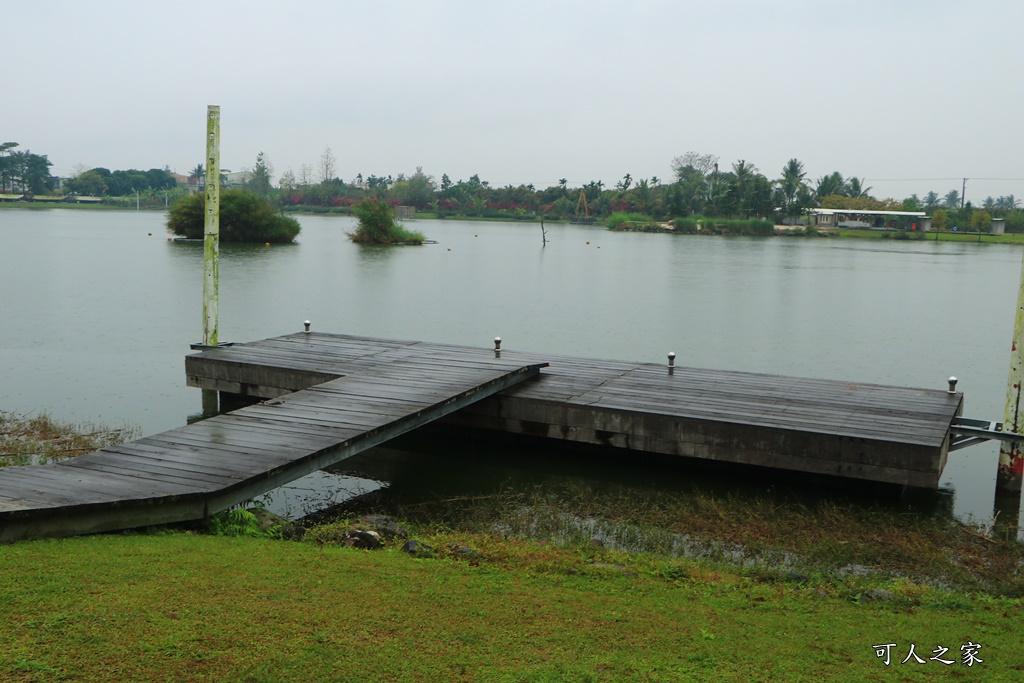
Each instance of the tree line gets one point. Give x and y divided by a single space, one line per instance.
22 171
699 185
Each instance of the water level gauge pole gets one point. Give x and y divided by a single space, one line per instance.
211 242
1011 457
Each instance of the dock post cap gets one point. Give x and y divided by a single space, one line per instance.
671 359
952 385
497 343
306 325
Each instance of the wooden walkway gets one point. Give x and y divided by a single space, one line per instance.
863 431
193 471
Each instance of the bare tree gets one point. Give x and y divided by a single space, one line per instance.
693 161
305 175
327 165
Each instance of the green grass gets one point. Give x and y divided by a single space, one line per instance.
620 217
183 607
935 235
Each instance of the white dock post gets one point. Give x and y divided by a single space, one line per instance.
211 245
211 233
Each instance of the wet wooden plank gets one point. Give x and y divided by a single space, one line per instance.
208 465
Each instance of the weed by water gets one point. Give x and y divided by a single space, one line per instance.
772 531
40 438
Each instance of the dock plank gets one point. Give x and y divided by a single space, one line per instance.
208 465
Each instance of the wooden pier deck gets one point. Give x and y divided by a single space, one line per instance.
193 471
871 432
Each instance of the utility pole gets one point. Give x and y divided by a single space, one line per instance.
963 193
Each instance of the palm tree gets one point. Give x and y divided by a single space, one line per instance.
743 173
197 174
1007 203
832 184
854 188
951 200
791 181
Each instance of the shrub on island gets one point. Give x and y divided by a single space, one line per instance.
377 225
244 217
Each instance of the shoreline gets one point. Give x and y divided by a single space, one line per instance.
779 229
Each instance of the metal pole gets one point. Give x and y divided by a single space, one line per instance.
1011 457
211 244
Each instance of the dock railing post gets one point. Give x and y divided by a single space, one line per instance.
1011 458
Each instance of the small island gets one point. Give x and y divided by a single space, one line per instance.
244 217
377 225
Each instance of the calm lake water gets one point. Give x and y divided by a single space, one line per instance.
98 310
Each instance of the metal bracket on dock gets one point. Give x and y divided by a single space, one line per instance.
965 431
206 347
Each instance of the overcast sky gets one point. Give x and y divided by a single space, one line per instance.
911 95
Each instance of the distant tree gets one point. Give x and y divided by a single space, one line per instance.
416 190
159 179
931 200
328 165
262 175
198 174
940 219
951 200
91 183
855 189
6 164
1007 203
644 198
981 220
743 175
244 217
792 185
30 171
832 184
911 204
305 178
693 162
287 181
446 182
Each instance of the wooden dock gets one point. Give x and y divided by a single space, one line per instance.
870 432
326 397
193 471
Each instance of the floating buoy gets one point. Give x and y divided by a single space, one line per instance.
449 249
268 244
588 242
150 234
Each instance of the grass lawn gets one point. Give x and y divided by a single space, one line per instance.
189 607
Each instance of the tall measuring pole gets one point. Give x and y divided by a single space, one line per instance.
211 232
1011 455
